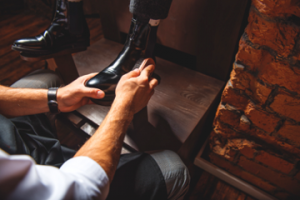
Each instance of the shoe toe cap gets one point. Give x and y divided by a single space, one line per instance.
33 42
103 81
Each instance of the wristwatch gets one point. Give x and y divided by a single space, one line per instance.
52 101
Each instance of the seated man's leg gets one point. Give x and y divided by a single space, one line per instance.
34 135
41 78
154 176
175 173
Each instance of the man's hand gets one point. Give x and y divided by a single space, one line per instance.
132 94
75 95
136 88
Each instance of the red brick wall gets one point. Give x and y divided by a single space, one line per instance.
257 126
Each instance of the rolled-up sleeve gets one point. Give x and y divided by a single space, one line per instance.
78 178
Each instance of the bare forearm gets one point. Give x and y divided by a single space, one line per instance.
22 101
105 145
132 94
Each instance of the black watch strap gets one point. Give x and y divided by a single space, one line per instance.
52 101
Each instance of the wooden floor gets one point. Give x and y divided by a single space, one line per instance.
12 27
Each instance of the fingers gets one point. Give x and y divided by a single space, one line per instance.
153 83
93 93
146 62
147 72
132 74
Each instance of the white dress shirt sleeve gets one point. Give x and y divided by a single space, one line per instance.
78 178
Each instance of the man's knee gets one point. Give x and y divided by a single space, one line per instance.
41 78
175 173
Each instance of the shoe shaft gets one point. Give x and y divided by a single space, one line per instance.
61 34
138 34
133 48
61 12
132 51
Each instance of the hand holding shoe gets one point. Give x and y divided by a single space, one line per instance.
135 88
76 94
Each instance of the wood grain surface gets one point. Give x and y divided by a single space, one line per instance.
175 109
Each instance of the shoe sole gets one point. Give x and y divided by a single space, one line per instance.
107 101
33 58
35 55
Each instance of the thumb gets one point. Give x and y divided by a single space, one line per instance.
93 93
131 74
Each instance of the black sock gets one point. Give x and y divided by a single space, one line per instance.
76 17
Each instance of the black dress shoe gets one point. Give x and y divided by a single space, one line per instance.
66 34
132 51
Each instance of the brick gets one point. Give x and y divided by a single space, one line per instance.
227 116
287 105
261 119
278 36
229 148
223 150
277 8
226 133
279 73
245 124
290 131
274 162
249 56
234 98
281 180
235 170
230 155
267 68
247 151
240 79
243 80
274 141
223 131
260 92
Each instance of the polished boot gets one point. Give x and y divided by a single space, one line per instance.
68 33
132 54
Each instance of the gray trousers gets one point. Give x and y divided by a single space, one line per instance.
175 174
153 9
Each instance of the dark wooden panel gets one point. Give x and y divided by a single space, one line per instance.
66 67
107 15
207 29
219 32
177 106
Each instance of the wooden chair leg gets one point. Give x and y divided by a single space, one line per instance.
65 66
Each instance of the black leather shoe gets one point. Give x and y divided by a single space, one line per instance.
132 51
61 37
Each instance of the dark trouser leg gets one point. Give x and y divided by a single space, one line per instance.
142 176
152 9
33 135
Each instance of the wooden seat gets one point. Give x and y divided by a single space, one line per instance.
178 105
